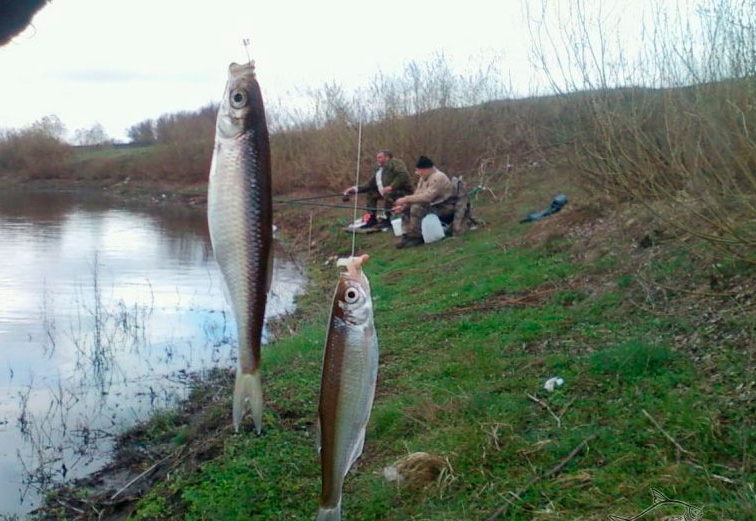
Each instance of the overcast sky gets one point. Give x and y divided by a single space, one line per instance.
119 62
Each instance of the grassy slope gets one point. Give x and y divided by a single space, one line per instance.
455 382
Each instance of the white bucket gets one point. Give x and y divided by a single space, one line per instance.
396 224
431 228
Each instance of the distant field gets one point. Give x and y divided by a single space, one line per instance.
81 154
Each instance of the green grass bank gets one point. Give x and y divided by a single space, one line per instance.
655 343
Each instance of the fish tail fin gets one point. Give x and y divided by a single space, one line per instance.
248 390
658 496
329 514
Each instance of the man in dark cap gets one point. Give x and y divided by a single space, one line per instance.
434 193
389 182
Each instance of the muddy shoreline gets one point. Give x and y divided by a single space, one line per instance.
179 439
172 442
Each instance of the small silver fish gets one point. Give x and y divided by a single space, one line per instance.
350 369
239 214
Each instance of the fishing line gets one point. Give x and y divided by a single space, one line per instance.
245 41
357 183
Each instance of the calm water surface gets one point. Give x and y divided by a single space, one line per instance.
105 309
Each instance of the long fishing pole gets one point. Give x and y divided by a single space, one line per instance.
304 202
298 199
326 205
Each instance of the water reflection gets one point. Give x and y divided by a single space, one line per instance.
104 310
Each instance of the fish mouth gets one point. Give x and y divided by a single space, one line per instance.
353 271
239 69
353 266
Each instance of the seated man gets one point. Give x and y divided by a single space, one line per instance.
434 193
389 182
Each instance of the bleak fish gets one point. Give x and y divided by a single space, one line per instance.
239 214
347 388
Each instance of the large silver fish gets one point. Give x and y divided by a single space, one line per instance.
350 368
239 214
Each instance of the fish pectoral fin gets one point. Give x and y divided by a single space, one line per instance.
658 496
357 450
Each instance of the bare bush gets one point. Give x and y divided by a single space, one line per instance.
672 127
35 152
94 136
427 109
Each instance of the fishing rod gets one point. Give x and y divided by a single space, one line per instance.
313 198
305 202
325 205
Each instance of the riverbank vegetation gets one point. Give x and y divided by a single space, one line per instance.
655 345
639 295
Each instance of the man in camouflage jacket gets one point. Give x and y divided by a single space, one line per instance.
389 182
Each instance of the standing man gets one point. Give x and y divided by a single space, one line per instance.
389 182
434 193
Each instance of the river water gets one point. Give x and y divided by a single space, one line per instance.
105 310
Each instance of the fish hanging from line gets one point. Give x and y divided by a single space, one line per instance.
347 388
239 214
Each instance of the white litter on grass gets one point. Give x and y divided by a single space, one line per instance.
391 474
552 383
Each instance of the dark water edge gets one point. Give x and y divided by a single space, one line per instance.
147 194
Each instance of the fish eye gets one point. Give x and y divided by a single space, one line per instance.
351 296
238 98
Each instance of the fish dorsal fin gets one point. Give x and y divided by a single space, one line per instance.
658 496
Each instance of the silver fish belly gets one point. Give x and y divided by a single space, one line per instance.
350 369
239 213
